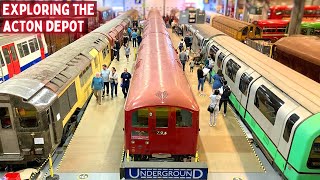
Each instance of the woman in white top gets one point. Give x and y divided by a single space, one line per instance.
215 99
114 81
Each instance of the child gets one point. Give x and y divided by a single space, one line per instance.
191 65
187 52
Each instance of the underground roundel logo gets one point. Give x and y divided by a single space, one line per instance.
162 95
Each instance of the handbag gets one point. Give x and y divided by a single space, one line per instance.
211 109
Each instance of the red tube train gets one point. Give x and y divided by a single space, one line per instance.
161 112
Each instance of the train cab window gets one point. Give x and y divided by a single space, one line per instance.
289 125
232 69
20 50
35 44
162 117
268 103
183 118
258 31
245 31
96 61
140 118
27 117
5 118
314 156
244 83
213 52
220 59
1 60
6 56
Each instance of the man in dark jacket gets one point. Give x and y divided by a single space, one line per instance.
225 97
117 49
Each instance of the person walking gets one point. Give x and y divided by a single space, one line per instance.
181 45
218 79
96 86
125 82
191 64
213 107
129 31
225 97
127 51
125 38
200 79
134 36
183 59
117 49
139 39
114 82
105 73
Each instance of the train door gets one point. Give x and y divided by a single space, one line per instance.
43 56
160 124
246 79
3 68
12 60
8 136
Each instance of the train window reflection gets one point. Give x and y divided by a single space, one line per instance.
183 118
27 117
6 56
213 52
232 69
140 118
220 59
289 125
162 116
245 31
314 156
268 103
258 31
244 83
5 118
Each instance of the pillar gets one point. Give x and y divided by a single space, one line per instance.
235 14
164 8
225 9
296 17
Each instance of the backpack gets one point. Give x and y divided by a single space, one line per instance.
226 91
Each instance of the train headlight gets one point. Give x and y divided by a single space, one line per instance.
147 142
132 142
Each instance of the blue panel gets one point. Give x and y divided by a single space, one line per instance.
166 173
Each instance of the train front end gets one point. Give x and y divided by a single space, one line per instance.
27 132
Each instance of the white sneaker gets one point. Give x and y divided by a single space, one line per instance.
210 124
214 124
224 115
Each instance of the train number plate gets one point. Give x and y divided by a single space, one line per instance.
163 133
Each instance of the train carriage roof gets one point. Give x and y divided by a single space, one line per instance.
41 83
158 79
286 79
10 38
308 48
231 22
207 31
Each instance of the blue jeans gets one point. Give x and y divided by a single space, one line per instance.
114 87
200 83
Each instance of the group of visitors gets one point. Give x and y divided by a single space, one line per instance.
134 34
105 79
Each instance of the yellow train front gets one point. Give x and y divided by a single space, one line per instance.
235 28
36 106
